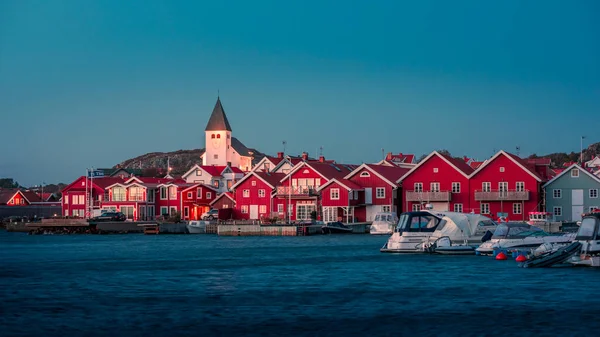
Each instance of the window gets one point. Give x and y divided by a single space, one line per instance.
317 182
173 210
212 136
501 169
503 186
416 207
485 209
557 211
208 195
594 193
418 187
575 173
350 195
261 193
22 201
186 211
66 199
163 193
334 194
164 210
517 208
253 183
486 186
520 186
244 209
136 194
355 195
190 195
199 193
262 209
229 183
216 183
118 194
280 208
218 136
435 170
11 202
66 212
225 205
386 208
172 192
198 172
455 187
380 192
216 156
458 208
365 174
246 193
593 208
556 194
434 187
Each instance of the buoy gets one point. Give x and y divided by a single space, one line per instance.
501 256
521 258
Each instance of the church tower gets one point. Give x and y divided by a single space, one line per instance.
218 138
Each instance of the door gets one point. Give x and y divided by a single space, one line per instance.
128 211
577 211
329 214
254 212
151 214
142 214
577 198
368 195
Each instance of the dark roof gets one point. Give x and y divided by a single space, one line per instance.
218 120
459 163
240 148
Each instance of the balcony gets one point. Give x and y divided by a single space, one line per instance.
297 190
428 196
497 195
121 198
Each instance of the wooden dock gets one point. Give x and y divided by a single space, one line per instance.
267 230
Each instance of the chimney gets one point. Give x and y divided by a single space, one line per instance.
304 155
389 156
321 159
280 155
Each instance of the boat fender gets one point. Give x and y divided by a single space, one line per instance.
501 256
521 258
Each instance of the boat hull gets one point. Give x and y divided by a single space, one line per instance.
196 227
551 258
328 230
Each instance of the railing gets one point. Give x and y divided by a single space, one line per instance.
492 195
296 190
123 199
428 196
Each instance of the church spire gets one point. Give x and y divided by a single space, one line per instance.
218 120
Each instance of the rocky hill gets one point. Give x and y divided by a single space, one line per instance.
560 158
181 161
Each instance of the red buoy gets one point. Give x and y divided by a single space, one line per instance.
501 256
521 258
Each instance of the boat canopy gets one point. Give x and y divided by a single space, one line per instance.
461 224
517 231
390 217
589 229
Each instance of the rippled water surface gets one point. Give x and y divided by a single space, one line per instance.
169 285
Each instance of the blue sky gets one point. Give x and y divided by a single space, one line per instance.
92 83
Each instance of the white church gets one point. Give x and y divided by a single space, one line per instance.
221 149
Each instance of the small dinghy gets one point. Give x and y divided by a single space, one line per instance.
551 256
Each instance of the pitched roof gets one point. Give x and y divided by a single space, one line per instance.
214 171
347 184
581 169
240 148
224 194
529 168
326 170
459 164
218 120
475 164
270 178
6 194
31 196
391 173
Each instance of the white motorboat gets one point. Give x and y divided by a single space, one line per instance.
589 237
197 227
384 223
438 232
521 236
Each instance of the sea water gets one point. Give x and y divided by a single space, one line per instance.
206 285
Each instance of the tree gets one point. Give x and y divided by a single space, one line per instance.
8 183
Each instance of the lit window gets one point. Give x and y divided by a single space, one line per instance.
246 193
261 193
253 183
262 209
244 209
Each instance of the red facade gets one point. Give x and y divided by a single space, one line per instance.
253 195
195 201
506 184
223 201
438 181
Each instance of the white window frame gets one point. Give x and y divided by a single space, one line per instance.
434 186
386 208
365 174
199 192
502 169
435 170
456 187
592 208
261 193
418 187
253 183
186 211
163 193
458 208
557 211
520 186
262 209
280 208
190 195
164 210
208 195
517 208
484 208
379 192
486 186
173 192
244 209
575 173
246 193
355 195
416 207
595 190
557 193
334 194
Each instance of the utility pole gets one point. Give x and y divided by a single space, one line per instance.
581 152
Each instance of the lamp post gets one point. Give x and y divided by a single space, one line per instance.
581 152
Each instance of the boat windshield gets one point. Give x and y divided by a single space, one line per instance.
417 223
504 231
385 218
587 229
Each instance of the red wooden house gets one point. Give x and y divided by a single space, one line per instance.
223 201
298 190
508 184
74 197
381 190
196 200
254 195
339 200
439 182
17 197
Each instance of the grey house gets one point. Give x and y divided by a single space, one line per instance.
572 193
